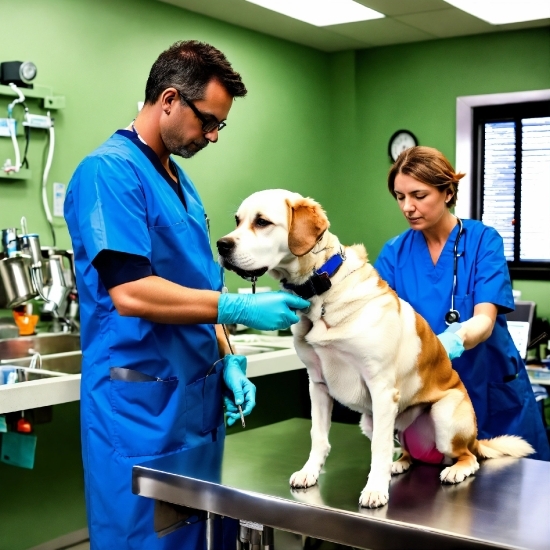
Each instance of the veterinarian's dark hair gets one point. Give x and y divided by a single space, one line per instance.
189 66
429 166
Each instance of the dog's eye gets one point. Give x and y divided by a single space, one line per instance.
260 222
237 220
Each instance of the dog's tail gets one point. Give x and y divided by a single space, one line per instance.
504 445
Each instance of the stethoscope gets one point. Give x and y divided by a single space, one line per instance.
453 316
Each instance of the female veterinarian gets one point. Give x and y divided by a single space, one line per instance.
454 273
149 296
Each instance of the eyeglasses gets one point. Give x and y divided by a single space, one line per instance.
209 122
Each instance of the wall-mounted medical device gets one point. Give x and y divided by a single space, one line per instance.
19 168
20 73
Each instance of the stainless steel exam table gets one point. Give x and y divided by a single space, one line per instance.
505 505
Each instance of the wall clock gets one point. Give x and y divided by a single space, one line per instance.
399 142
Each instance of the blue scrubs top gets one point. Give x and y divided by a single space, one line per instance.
122 199
493 372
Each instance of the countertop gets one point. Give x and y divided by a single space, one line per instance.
63 389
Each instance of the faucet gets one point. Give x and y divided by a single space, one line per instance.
44 274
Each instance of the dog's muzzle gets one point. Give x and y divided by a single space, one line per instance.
225 249
225 246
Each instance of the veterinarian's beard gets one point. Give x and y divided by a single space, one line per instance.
185 151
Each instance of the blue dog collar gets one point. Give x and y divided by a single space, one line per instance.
319 282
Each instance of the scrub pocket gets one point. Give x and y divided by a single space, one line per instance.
204 403
505 403
147 416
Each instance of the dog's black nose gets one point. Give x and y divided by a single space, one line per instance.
225 246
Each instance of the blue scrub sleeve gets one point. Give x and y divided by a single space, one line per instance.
385 264
492 278
111 207
117 268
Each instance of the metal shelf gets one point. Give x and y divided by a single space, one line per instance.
50 101
23 174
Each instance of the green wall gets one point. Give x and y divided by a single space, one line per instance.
98 55
313 122
415 86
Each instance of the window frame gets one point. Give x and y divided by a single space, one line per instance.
467 161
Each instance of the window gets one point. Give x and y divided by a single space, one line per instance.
511 182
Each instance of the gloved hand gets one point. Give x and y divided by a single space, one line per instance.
243 390
451 341
263 311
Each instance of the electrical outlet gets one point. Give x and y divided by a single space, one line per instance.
7 125
58 199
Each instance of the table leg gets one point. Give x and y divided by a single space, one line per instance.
255 539
210 531
243 538
268 538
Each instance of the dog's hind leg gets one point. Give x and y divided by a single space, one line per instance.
405 460
465 466
384 412
402 464
402 422
455 433
321 412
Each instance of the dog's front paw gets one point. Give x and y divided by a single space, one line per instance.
373 499
400 466
303 479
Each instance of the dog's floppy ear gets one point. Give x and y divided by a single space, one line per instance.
307 223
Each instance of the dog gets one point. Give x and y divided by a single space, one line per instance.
361 344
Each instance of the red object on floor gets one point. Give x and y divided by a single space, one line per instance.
24 426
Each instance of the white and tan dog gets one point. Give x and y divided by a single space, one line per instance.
361 344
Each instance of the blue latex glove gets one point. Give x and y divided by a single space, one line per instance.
243 390
263 311
452 342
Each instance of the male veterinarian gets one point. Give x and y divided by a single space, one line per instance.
150 298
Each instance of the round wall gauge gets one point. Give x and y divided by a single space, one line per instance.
399 142
27 71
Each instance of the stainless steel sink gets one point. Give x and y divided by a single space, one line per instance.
42 343
61 353
56 381
246 349
252 344
58 352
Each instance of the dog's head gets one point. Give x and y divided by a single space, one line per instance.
273 228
